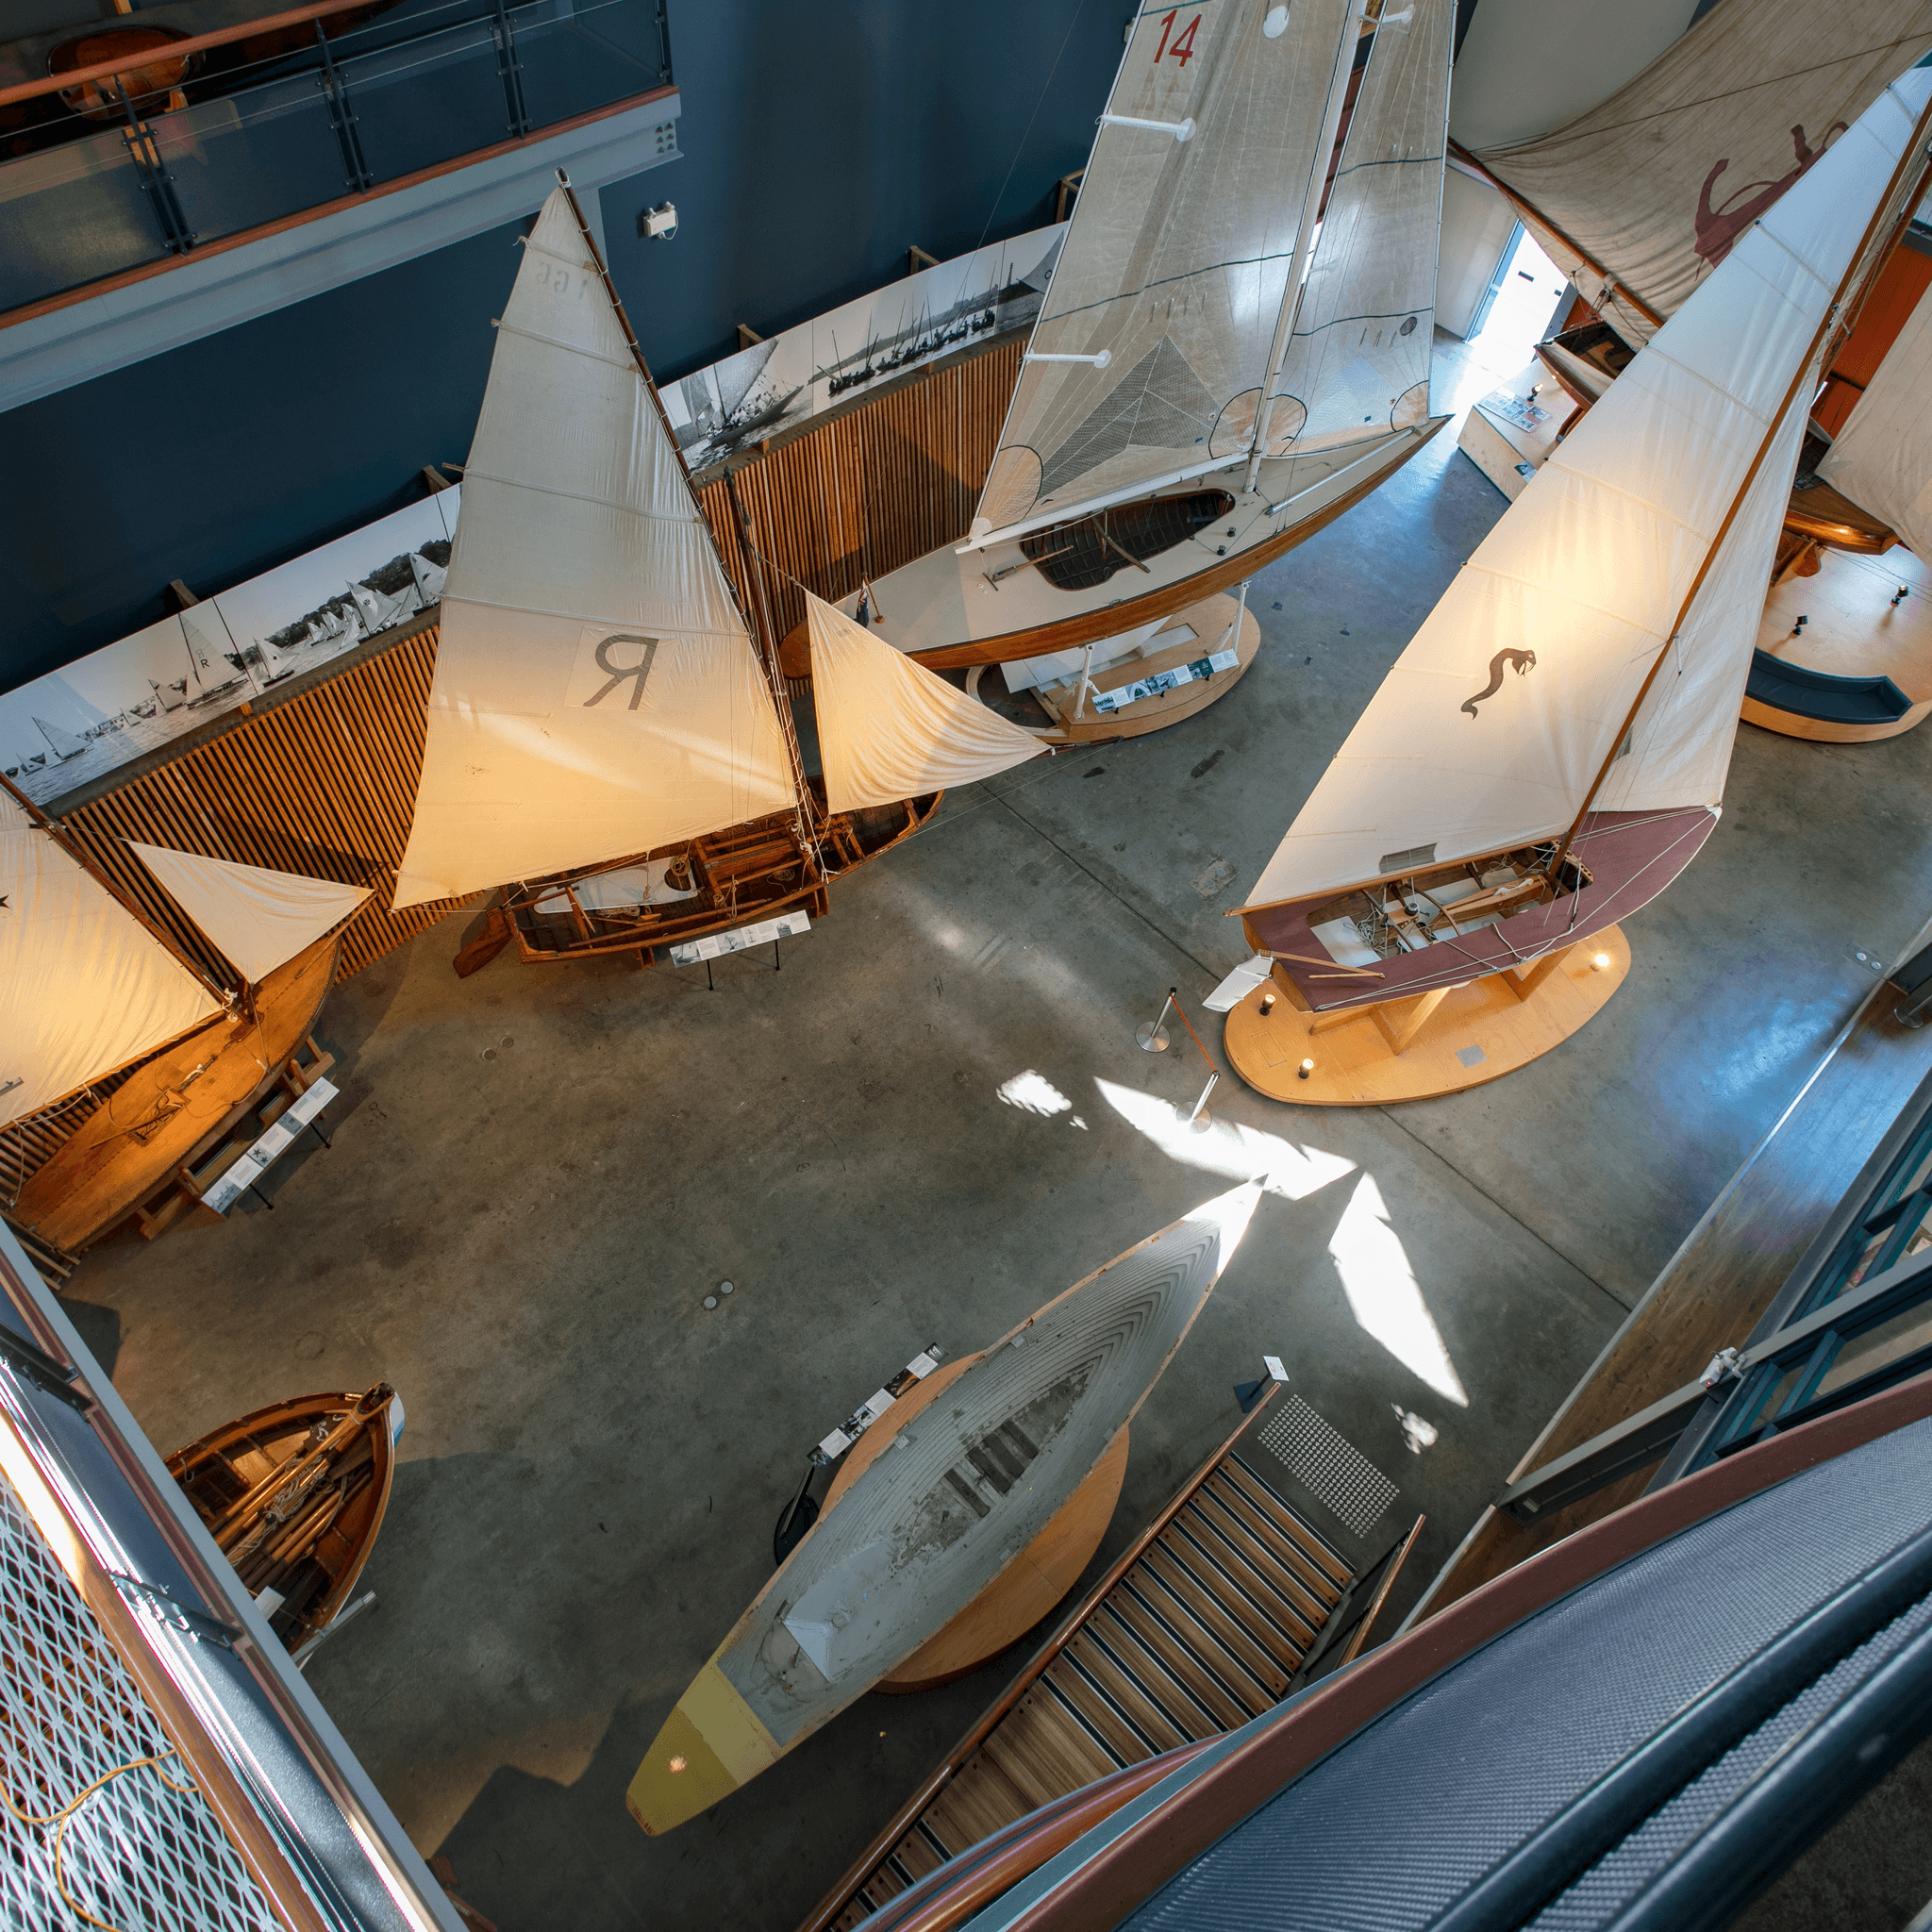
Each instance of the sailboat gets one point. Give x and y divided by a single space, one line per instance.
95 990
602 732
1550 750
1230 353
61 743
428 578
379 609
925 1529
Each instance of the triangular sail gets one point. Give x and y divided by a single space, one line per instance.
257 917
889 728
1882 458
84 987
1358 363
1177 258
595 691
1493 724
1658 183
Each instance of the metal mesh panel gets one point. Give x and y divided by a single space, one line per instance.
93 1834
1325 1461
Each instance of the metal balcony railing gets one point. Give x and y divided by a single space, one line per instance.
119 168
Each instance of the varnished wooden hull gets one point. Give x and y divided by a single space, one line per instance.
181 1102
743 874
307 1537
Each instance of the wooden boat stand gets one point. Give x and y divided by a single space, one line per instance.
1438 1041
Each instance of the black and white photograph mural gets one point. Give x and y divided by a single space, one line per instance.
78 724
834 358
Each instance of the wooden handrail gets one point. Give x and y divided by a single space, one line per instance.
174 50
1361 1638
833 1903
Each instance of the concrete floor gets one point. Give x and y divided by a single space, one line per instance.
538 1174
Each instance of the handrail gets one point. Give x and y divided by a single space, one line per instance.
929 1788
174 50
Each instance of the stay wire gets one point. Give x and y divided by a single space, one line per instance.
1020 149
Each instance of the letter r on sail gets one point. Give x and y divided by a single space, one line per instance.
617 673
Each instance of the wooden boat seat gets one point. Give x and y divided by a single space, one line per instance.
726 859
1819 694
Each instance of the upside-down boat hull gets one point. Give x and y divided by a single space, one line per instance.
928 1526
306 1540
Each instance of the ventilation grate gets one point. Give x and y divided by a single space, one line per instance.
1329 1465
142 1851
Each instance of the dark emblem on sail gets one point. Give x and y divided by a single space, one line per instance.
1521 661
1719 227
633 674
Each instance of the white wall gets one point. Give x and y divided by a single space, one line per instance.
1477 226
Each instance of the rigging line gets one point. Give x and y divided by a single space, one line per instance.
1020 149
629 509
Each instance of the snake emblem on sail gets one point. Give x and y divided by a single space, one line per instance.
1521 661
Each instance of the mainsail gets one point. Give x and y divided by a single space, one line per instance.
257 917
1654 188
1495 724
84 989
1163 308
1882 458
596 693
890 728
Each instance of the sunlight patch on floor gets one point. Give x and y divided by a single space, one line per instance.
1384 1294
1227 1147
1035 1093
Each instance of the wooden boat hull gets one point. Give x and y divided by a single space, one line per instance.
929 1527
307 1537
944 610
1630 857
165 1112
748 872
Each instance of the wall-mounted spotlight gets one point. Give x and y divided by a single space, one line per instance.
657 224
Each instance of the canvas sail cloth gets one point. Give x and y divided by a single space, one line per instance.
1357 362
1883 457
1658 183
595 691
1494 724
1177 259
84 988
890 728
259 918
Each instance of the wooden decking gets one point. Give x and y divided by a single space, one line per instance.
1201 1626
1722 1278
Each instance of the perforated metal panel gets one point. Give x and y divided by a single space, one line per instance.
1328 1464
102 1824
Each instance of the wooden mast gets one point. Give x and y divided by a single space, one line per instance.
768 651
1833 317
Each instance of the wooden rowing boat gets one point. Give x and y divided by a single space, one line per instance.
294 1494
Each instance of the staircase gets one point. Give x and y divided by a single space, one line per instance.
1203 1623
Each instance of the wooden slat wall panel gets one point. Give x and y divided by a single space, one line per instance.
323 785
873 491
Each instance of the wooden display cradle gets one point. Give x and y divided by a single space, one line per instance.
1209 621
1433 1043
1029 1587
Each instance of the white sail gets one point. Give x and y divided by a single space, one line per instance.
890 728
61 741
595 691
84 987
428 578
1494 724
1177 258
1883 457
1358 363
257 918
1658 182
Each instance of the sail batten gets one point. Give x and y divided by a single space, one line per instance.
596 693
1650 531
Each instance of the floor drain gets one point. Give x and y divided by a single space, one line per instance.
1329 1465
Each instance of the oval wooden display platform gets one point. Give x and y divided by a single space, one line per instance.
1476 1032
1209 620
1854 629
1029 1587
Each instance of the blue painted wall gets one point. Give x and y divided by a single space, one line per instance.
821 140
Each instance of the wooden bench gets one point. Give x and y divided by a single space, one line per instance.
1819 694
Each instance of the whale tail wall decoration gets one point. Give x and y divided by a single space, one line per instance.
1520 662
922 1532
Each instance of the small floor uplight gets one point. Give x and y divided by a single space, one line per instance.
1305 1068
676 1765
1267 1005
1601 961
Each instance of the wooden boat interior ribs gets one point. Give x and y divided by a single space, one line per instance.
294 1496
682 892
1078 556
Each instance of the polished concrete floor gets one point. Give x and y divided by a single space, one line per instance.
930 1121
